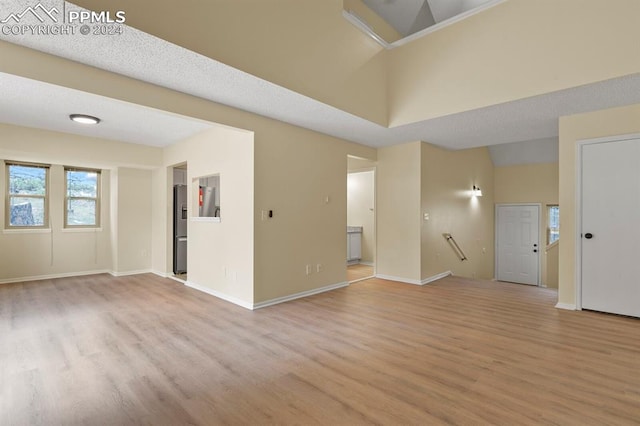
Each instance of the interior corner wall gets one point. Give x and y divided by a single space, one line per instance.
301 176
132 208
532 183
161 221
609 122
447 179
398 173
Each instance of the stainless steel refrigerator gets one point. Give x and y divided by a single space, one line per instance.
180 229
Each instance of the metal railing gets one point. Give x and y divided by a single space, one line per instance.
452 242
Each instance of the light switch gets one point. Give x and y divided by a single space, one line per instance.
426 216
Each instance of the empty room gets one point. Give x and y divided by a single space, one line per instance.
330 212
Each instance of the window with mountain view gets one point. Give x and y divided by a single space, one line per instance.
27 192
82 198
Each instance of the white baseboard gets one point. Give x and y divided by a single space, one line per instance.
299 295
415 282
128 273
160 274
436 277
567 306
52 276
398 279
220 295
367 263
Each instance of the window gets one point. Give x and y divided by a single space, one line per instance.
27 195
553 227
82 199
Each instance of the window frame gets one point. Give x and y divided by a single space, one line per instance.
549 207
9 195
97 198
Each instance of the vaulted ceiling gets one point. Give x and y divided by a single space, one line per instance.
289 67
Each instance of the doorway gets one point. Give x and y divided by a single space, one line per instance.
179 220
517 245
361 220
608 221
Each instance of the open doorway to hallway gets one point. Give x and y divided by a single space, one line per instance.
361 219
179 219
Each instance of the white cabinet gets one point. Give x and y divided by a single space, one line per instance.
354 246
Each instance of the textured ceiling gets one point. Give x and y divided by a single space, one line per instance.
147 58
41 105
530 152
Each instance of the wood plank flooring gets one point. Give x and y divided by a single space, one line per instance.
146 350
358 272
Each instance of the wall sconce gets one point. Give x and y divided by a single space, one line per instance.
476 191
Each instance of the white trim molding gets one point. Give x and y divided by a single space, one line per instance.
415 282
566 306
299 295
398 279
160 274
436 277
219 295
52 276
128 273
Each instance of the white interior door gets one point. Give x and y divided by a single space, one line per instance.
610 237
518 251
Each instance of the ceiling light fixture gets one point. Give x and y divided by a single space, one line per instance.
84 119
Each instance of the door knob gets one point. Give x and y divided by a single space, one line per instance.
588 235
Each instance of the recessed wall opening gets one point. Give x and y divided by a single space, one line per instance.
361 219
206 197
180 217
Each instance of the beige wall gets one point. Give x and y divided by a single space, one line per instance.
361 210
220 255
64 252
132 208
610 122
518 49
527 183
303 45
447 179
550 267
295 171
532 183
398 215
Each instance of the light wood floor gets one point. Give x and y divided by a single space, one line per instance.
145 350
358 272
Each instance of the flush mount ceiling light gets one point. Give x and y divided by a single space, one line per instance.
84 119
